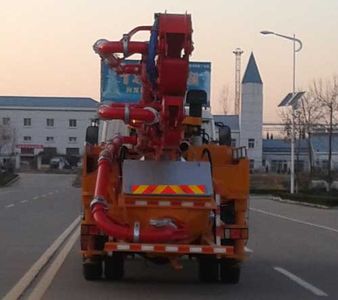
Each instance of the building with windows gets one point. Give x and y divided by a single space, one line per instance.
277 155
52 125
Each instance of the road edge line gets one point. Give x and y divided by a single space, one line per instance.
293 219
18 289
47 278
310 287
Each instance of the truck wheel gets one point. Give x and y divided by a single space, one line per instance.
230 272
114 266
92 270
208 269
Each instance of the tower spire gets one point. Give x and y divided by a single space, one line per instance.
251 74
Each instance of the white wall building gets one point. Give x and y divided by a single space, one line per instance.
55 124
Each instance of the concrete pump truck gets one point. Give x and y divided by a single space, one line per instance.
167 189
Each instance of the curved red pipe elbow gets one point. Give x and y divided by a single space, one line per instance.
99 209
126 233
117 231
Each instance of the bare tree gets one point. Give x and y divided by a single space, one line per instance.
326 94
310 114
224 99
7 140
307 114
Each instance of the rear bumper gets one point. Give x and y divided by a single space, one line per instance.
182 249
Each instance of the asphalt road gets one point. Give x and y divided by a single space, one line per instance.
34 211
292 258
294 248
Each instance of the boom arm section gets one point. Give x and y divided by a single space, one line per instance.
163 71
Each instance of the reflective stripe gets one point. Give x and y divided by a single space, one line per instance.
147 247
171 249
122 247
169 203
168 189
163 248
219 250
139 189
159 189
177 189
187 204
140 202
195 250
196 189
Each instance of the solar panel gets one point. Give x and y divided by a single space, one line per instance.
295 98
291 99
286 100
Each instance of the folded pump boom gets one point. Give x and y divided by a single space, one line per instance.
157 117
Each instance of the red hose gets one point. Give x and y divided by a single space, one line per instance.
126 233
132 113
104 48
99 208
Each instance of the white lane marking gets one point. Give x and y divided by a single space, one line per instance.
36 197
26 279
294 220
43 196
301 282
23 201
248 250
49 275
9 205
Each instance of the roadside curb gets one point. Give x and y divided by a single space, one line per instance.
279 199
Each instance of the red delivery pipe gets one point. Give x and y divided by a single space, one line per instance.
104 48
99 208
128 113
129 234
137 29
104 166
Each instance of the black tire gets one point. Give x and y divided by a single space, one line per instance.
114 266
230 272
208 268
92 270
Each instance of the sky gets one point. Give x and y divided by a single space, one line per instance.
46 45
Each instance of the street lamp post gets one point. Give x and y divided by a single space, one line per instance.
295 50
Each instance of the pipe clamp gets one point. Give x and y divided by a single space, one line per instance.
137 226
98 200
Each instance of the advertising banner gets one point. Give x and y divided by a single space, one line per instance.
127 88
